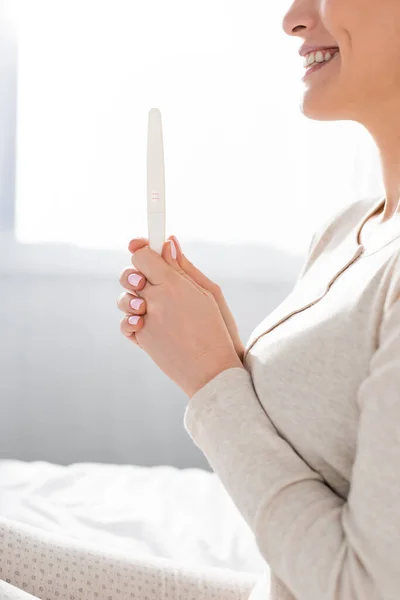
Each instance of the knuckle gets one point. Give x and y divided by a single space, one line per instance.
123 276
215 289
127 329
122 326
122 301
118 302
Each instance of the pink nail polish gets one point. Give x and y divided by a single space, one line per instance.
134 279
173 249
178 244
133 320
136 303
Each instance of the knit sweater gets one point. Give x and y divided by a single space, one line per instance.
306 437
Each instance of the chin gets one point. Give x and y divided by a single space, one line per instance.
318 109
328 108
322 100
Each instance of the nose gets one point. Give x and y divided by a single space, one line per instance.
300 16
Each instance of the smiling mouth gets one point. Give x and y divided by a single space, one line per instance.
318 66
323 62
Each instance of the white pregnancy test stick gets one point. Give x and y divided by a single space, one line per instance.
155 182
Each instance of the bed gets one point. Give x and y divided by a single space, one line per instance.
183 514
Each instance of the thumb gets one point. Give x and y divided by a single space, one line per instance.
191 270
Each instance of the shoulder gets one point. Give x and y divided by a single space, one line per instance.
336 226
339 223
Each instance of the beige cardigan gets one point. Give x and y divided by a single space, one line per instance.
306 437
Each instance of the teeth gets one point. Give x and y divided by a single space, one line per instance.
318 57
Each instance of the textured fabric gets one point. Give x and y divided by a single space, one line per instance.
306 437
38 564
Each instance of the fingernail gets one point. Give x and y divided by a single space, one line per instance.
133 320
136 303
173 249
178 244
134 279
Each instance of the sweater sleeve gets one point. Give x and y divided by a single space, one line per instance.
321 546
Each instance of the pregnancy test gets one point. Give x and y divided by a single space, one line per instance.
155 182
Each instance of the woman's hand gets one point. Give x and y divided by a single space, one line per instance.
192 274
182 328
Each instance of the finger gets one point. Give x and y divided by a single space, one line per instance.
170 253
131 304
197 275
177 244
127 328
133 339
131 283
183 262
137 243
176 263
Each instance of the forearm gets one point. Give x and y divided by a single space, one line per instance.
319 545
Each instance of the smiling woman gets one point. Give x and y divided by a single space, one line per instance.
300 420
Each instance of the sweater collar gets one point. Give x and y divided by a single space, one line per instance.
357 231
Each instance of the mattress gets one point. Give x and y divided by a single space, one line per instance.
183 514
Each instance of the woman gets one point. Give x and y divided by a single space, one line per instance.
303 424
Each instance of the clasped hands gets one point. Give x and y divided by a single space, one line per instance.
184 324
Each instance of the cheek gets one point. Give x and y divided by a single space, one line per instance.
358 27
332 11
336 18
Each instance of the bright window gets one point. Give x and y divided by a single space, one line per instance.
242 162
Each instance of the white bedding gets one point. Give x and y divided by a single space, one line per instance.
184 514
